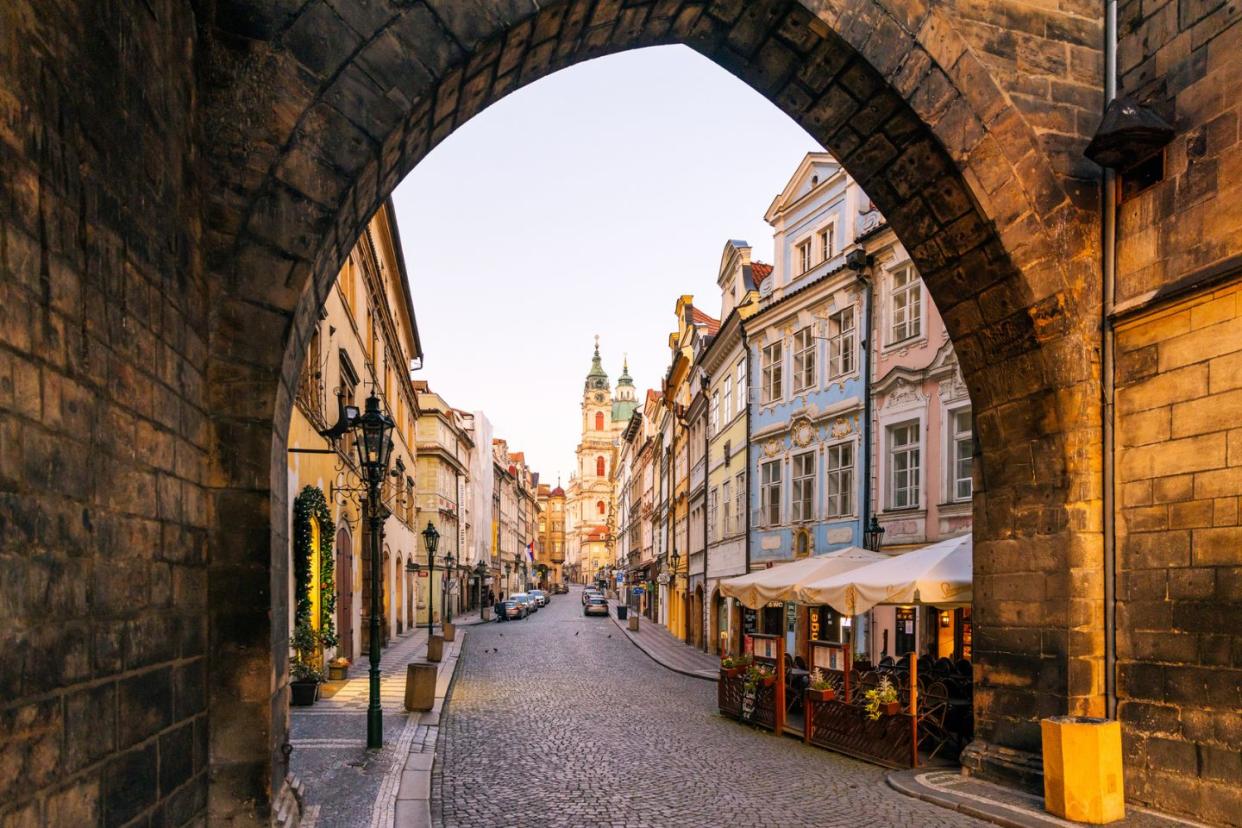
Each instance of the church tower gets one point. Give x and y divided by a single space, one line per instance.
590 497
625 400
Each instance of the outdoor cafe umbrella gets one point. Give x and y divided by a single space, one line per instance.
939 574
781 582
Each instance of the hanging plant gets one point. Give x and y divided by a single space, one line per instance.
311 504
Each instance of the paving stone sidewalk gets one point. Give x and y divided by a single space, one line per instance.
667 650
343 783
1003 805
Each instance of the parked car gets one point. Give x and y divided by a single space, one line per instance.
562 589
526 601
588 592
595 605
511 611
540 597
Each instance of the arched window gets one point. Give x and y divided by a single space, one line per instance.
599 467
599 421
599 506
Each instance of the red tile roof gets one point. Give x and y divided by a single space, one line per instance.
760 271
700 318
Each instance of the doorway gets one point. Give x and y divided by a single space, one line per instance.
344 594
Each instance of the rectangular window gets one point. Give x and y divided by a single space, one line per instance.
841 342
773 359
963 455
803 486
728 400
827 242
840 479
907 304
803 360
715 412
903 455
770 493
739 500
741 384
804 256
727 505
712 505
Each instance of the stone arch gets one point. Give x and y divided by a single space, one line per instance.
894 90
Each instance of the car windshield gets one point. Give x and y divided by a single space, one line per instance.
521 596
596 599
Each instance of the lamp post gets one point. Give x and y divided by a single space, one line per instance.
450 564
431 539
874 536
374 450
508 568
479 569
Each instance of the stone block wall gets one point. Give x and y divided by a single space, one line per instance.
1179 553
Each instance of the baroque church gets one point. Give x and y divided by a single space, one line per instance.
591 498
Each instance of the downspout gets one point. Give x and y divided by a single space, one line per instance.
1108 369
866 424
749 382
707 467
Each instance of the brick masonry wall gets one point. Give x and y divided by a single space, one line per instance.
103 430
1180 57
1179 542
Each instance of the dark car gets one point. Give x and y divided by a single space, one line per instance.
595 605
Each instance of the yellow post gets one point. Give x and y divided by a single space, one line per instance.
1083 779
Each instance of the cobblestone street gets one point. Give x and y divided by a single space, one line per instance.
559 720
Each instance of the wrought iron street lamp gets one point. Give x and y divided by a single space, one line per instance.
431 539
874 536
480 569
450 565
374 443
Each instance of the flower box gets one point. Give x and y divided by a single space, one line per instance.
731 672
825 695
890 708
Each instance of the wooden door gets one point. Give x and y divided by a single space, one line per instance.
344 595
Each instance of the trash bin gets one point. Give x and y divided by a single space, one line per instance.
622 612
1083 778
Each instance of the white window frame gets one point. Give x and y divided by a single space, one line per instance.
803 251
891 451
802 486
910 296
741 384
954 439
739 501
728 400
827 241
772 360
842 342
726 504
770 504
712 509
842 476
715 412
803 360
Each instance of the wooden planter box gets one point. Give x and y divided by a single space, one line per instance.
821 695
890 708
731 672
337 673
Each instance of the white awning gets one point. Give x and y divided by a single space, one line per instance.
781 582
939 574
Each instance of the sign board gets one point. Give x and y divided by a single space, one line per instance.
748 702
791 616
422 573
636 591
662 580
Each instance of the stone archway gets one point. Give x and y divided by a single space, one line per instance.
907 104
162 270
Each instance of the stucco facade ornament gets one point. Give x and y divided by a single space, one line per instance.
841 427
904 393
771 448
803 433
953 388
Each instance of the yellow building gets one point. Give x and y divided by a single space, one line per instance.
551 548
365 341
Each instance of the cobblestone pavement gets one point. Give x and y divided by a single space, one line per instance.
558 720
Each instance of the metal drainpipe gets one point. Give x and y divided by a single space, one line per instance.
866 424
749 384
1109 268
707 441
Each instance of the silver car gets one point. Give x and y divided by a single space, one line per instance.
540 596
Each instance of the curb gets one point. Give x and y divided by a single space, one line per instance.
897 781
652 655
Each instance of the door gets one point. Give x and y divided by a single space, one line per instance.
344 595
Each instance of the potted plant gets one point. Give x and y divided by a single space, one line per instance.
759 675
304 677
337 668
821 689
733 666
881 700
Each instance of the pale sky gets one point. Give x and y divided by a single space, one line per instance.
584 204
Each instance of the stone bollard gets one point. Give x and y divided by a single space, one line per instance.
1083 769
420 686
435 648
486 614
633 622
450 632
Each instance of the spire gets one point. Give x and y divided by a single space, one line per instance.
625 378
596 378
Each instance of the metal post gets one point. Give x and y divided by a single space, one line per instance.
375 715
431 593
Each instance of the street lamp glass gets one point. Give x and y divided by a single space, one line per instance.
431 539
375 447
